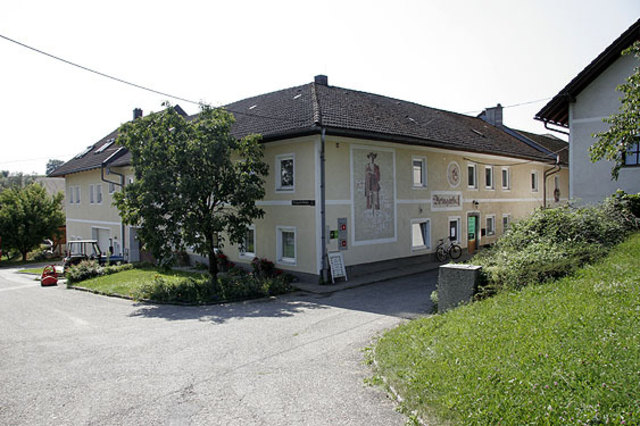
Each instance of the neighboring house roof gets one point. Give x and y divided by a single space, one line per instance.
552 143
51 185
305 109
556 111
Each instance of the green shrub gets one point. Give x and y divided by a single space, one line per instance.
227 287
184 289
552 243
90 268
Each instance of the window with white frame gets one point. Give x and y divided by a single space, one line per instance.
286 245
419 167
454 229
506 178
420 234
92 199
506 220
488 177
534 181
285 172
248 246
70 192
471 175
98 188
491 224
78 194
112 187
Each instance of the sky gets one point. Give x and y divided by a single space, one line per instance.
461 56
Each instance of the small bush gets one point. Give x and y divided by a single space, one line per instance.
90 268
227 287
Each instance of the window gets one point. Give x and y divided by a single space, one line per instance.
632 156
98 193
77 194
506 184
420 234
91 197
491 225
70 191
248 247
471 175
129 180
506 220
534 181
419 172
286 245
285 172
454 229
488 177
112 187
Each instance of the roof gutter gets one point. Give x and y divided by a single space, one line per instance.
546 126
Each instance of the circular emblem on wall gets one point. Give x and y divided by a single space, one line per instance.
453 174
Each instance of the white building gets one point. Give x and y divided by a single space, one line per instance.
581 107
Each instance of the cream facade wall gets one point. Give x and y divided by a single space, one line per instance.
405 204
95 218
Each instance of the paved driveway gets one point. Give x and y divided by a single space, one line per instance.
68 357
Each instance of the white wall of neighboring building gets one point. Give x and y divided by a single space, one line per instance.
591 182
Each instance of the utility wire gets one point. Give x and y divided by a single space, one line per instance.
138 86
512 106
97 72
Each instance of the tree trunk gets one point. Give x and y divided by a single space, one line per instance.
213 263
24 255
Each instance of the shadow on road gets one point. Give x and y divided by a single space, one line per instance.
407 297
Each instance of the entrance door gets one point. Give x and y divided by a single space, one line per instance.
102 236
134 246
473 221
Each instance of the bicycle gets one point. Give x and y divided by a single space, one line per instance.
446 249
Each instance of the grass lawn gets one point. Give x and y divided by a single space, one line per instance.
32 271
563 352
128 283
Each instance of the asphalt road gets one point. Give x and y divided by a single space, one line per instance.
69 357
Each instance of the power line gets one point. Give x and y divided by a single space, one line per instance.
138 86
97 72
513 105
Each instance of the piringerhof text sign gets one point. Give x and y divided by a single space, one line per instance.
446 200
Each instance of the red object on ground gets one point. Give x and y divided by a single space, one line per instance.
49 276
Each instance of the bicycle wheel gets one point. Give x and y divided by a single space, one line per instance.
441 254
455 251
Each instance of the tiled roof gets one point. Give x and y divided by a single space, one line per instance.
552 143
305 109
556 111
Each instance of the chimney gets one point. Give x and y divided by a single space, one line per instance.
493 115
322 80
137 113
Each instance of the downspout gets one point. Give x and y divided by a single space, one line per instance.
548 173
120 184
323 207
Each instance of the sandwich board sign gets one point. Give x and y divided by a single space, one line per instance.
336 262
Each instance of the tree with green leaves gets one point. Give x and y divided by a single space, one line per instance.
52 165
195 184
27 216
13 180
624 129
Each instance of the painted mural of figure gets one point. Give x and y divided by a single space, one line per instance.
372 183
